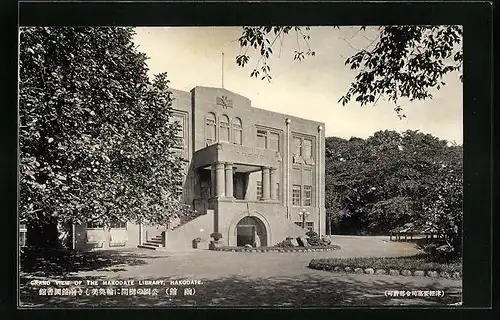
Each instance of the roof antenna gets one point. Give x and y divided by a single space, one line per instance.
223 70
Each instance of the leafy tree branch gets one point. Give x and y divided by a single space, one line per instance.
400 62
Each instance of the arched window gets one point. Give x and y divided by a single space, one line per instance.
211 129
224 128
237 131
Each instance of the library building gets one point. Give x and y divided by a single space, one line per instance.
252 175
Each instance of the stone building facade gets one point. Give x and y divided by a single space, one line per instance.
250 173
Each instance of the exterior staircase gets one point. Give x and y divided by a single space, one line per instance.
154 244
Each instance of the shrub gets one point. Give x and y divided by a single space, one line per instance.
316 242
439 252
412 263
197 240
284 244
312 234
216 235
445 253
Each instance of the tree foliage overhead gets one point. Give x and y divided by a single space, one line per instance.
393 178
95 137
401 62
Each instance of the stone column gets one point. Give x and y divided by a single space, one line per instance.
229 180
265 183
274 195
212 181
219 180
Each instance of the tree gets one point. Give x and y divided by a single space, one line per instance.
335 211
401 62
395 178
95 133
442 208
344 180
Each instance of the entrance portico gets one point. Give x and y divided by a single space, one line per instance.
224 181
225 160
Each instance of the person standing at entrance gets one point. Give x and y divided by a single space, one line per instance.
256 241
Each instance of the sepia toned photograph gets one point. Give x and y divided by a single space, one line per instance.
245 166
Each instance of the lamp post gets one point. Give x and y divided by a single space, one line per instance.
303 213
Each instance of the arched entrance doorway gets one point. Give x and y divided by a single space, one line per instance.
251 230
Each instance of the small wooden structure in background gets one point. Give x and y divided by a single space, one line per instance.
409 230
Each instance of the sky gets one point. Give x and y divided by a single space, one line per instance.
192 56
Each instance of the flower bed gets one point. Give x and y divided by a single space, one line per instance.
406 266
279 249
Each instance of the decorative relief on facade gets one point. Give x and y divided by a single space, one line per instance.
298 159
224 102
309 161
303 150
250 155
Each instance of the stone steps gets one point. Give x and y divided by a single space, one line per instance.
155 240
154 244
147 246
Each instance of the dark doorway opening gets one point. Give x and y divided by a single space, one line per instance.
239 185
252 231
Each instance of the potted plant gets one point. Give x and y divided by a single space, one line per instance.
195 242
215 243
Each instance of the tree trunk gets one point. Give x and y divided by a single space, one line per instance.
42 235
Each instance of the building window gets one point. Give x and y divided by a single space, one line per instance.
237 131
274 141
211 129
261 139
259 190
307 151
297 150
277 191
296 194
118 225
307 196
224 128
94 225
297 146
179 136
178 189
268 139
179 185
310 226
